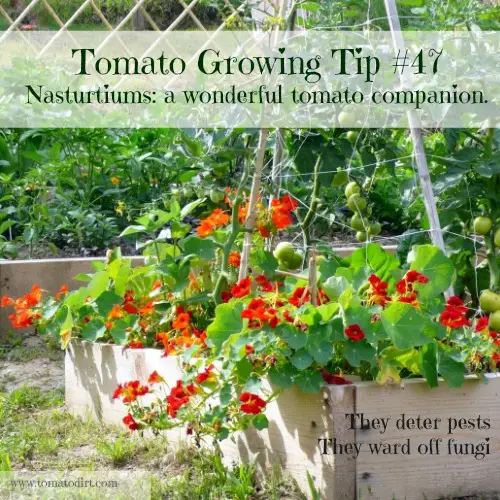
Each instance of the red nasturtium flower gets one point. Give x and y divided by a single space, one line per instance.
128 303
252 403
405 287
7 301
135 344
301 296
180 396
410 298
482 324
130 422
242 288
259 312
235 259
355 333
264 284
377 293
457 303
155 378
332 379
146 309
206 376
454 314
130 391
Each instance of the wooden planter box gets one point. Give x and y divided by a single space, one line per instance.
299 424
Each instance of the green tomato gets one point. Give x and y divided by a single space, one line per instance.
361 236
489 301
356 203
482 225
375 229
340 178
284 252
188 192
283 265
351 188
497 238
352 136
357 223
345 119
320 259
296 261
494 322
216 196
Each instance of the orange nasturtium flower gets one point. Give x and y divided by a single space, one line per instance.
24 315
218 218
116 312
155 378
235 259
182 321
62 291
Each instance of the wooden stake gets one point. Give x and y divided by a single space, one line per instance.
259 163
416 135
313 277
252 204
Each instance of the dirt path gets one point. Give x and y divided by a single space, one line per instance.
31 363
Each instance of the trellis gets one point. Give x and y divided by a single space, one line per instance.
261 10
138 15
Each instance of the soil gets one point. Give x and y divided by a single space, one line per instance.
44 252
34 364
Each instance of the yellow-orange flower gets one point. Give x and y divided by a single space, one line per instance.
218 218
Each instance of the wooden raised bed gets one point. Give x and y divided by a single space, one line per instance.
299 422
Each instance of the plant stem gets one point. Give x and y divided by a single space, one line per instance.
474 137
491 256
306 223
236 229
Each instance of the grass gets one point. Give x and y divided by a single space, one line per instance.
36 434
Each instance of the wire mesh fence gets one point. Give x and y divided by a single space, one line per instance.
112 15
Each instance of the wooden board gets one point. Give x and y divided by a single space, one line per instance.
299 422
296 422
425 476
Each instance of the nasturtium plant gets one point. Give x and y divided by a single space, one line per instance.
242 338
